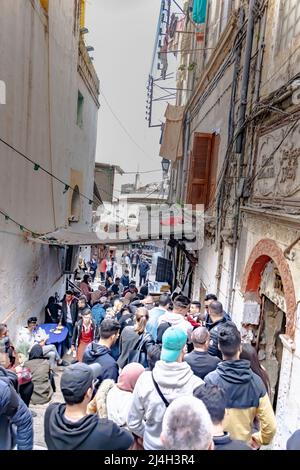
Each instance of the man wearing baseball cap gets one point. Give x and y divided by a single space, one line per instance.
67 425
154 391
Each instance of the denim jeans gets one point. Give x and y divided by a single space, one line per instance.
70 334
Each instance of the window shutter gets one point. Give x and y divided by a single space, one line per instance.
199 169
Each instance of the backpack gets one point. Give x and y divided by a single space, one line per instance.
139 352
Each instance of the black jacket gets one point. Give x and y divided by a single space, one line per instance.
213 329
243 388
201 363
64 312
102 355
226 443
89 433
77 332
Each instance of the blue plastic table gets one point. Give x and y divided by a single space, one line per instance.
58 339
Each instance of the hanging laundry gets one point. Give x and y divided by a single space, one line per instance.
199 11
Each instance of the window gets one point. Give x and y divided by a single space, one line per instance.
203 169
290 22
75 206
80 102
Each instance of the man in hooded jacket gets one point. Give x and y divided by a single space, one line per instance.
246 394
154 391
101 352
67 425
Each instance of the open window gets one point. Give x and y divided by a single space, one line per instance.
203 169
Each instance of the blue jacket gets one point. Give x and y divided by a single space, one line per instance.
102 355
16 425
98 313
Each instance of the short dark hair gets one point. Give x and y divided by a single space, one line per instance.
86 311
69 292
210 297
229 339
216 307
32 320
153 355
181 301
108 328
164 300
117 279
132 284
196 302
214 399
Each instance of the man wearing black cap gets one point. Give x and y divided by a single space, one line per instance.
67 425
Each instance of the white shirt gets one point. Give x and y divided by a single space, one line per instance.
69 316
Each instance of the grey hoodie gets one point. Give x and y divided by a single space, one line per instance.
176 319
147 410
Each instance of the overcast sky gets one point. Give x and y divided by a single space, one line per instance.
123 33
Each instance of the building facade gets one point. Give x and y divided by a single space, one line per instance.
238 83
50 117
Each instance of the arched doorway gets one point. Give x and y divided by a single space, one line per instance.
268 285
75 206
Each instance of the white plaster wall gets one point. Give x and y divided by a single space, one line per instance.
38 62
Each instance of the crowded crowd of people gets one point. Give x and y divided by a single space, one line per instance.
143 373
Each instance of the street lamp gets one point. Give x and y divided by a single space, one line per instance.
165 165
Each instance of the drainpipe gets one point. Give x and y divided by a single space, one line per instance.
245 79
240 144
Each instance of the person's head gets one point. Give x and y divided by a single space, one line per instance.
209 298
229 340
214 399
164 301
173 345
132 287
77 383
86 278
86 317
109 331
200 338
249 352
195 307
82 301
32 323
51 300
215 310
187 425
3 330
148 302
141 319
69 296
126 273
181 305
153 355
36 352
117 281
129 375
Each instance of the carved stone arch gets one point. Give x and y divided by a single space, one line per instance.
265 251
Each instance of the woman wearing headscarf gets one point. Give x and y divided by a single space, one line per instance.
119 397
85 287
52 311
112 400
40 370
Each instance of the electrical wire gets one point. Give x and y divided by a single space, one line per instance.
124 128
37 167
